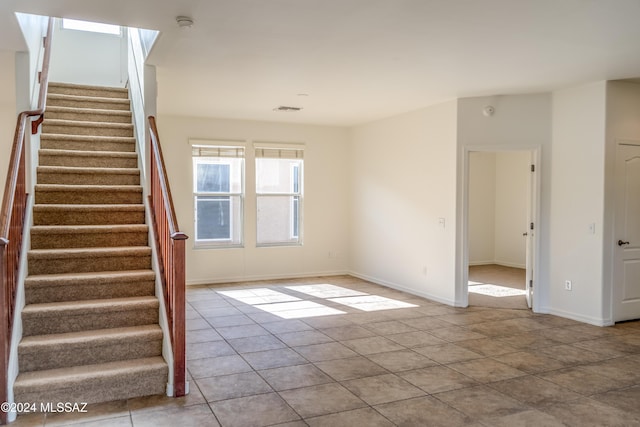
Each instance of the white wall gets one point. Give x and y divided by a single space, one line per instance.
498 191
577 200
34 28
622 122
520 122
482 207
512 193
403 175
27 87
88 58
8 113
326 199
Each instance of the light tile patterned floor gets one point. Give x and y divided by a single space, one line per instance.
428 365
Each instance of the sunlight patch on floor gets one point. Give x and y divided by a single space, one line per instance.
372 303
259 296
290 307
280 304
492 290
298 310
325 291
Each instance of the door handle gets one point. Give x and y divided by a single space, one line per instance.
525 234
621 243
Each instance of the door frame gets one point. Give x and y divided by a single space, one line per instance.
462 286
615 254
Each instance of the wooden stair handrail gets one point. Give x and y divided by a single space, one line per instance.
170 245
12 215
168 201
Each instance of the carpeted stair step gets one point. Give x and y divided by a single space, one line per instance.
94 383
74 127
42 352
88 236
88 175
84 260
87 286
75 316
87 159
87 143
86 90
88 115
91 102
88 194
88 214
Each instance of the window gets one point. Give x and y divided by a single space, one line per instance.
94 27
279 195
218 192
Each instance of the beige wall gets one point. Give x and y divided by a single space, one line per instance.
498 203
512 194
482 207
325 204
403 175
88 58
8 113
577 200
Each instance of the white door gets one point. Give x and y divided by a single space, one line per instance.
626 286
530 233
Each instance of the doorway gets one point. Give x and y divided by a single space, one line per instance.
500 228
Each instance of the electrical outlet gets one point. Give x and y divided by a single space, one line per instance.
567 285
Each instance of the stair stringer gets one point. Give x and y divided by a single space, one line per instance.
13 368
142 96
167 348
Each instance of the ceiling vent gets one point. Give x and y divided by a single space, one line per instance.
287 108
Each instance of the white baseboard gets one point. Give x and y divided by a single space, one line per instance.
510 264
501 263
579 317
411 291
235 279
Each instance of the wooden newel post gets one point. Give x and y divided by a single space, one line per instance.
179 325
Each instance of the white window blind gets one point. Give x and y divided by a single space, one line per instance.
265 150
211 151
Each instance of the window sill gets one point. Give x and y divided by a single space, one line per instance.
279 245
200 246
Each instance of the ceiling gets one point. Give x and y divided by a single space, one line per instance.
361 60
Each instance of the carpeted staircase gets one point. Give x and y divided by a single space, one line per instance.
90 324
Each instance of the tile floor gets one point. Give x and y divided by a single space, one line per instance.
255 360
504 277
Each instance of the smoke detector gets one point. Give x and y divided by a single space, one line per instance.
488 111
184 22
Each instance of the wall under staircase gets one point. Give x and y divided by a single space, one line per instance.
90 323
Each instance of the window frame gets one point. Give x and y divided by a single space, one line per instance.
296 214
222 243
295 240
